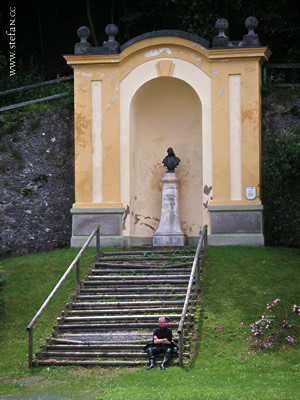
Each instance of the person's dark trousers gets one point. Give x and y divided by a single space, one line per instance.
154 350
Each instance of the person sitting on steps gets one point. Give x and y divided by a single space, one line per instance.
162 343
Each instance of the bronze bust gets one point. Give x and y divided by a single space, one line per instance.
171 161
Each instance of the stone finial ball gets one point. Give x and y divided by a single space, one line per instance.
83 32
251 23
221 24
111 30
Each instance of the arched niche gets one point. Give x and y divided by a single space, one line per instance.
165 112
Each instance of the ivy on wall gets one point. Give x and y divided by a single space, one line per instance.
281 188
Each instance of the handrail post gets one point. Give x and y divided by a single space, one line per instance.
30 347
78 272
205 242
198 272
180 348
98 244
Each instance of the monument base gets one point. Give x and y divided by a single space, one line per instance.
169 232
169 240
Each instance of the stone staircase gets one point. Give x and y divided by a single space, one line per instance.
116 308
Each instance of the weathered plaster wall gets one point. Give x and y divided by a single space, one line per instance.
248 69
165 112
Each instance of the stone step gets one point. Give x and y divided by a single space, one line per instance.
125 304
93 318
137 265
150 250
115 289
134 283
128 296
131 336
126 278
110 326
94 354
148 258
104 363
157 311
108 343
91 347
149 271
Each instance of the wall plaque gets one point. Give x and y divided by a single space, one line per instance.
250 192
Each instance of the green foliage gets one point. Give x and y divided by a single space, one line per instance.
40 178
281 188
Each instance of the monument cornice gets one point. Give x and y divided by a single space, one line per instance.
239 52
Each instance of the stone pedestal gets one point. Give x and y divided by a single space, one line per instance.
169 232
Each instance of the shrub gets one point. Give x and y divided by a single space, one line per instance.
281 188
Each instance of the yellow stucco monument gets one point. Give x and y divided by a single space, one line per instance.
168 89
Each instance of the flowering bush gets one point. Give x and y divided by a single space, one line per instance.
296 309
272 325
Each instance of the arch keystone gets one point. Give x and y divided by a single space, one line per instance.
165 68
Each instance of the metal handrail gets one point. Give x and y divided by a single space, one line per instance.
196 269
76 262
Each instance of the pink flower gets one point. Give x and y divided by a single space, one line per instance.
252 330
267 326
276 301
290 339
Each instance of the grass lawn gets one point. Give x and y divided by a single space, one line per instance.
237 282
